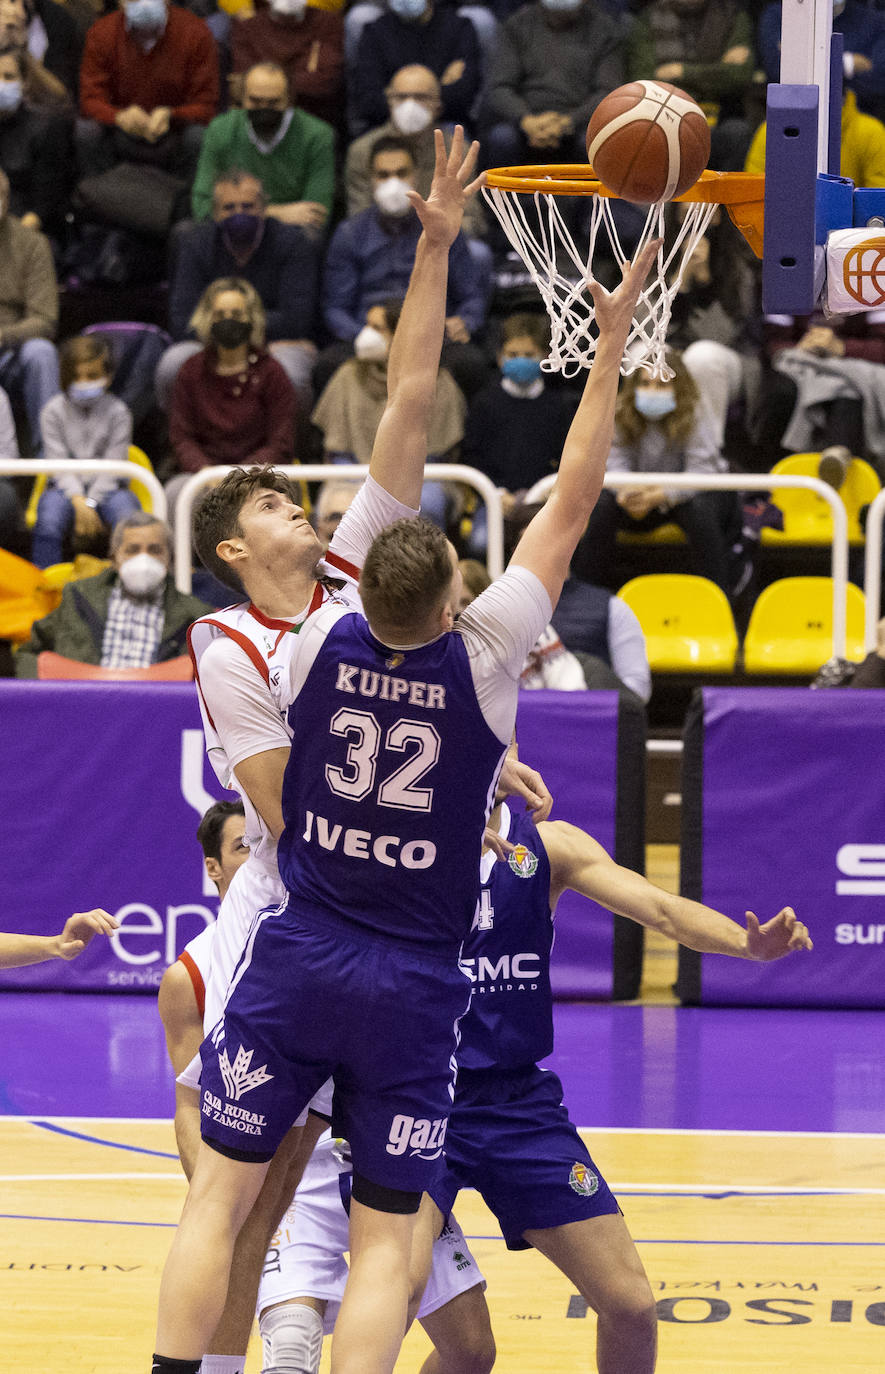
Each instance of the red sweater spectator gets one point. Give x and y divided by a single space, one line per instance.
179 73
245 418
308 46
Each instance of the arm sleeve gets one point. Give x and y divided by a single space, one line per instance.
201 103
8 437
56 450
372 510
183 429
293 313
499 629
626 646
368 78
239 702
188 284
701 454
208 165
95 86
40 317
458 96
319 184
713 80
119 439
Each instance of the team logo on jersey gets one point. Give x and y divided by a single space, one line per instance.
582 1180
522 861
462 1261
238 1077
394 661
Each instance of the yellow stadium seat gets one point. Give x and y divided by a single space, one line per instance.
139 490
686 620
791 626
664 534
807 517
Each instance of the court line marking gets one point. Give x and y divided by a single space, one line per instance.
47 1125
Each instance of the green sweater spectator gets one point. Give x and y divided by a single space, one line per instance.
296 166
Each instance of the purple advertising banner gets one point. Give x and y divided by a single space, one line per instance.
104 785
794 815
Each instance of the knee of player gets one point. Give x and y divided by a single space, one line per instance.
626 1301
292 1336
479 1354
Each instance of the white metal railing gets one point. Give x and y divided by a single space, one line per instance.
872 577
313 472
748 481
29 467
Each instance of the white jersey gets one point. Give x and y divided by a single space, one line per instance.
306 1256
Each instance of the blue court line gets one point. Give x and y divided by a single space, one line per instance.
98 1140
87 1221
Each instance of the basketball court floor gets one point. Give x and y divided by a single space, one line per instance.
747 1149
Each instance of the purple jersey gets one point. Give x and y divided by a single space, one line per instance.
507 955
389 784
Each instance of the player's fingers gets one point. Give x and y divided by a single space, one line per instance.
475 184
69 949
752 922
456 150
465 171
440 151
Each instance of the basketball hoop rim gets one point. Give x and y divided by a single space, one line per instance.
579 179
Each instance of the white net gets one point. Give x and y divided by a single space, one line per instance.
560 271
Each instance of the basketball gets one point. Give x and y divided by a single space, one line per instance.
648 141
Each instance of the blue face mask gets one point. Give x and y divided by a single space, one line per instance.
10 95
146 15
86 393
654 404
522 371
408 9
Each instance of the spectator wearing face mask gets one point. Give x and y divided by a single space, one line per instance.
370 259
86 421
307 43
34 149
279 260
414 104
350 409
290 152
662 427
232 402
415 32
148 88
129 616
516 426
50 36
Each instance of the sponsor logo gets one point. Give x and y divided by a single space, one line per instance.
522 862
238 1077
846 934
508 973
462 1261
234 1118
417 1135
863 867
360 844
582 1180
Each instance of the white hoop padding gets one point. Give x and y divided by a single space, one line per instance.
872 580
89 467
316 472
749 481
561 271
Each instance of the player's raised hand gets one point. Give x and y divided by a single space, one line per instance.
614 309
441 213
783 934
81 928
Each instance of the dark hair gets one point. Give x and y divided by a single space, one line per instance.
678 425
210 829
390 143
405 575
235 176
526 325
85 348
217 517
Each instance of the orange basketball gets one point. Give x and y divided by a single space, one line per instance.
648 141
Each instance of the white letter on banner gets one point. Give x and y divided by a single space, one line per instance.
172 915
154 927
192 788
865 863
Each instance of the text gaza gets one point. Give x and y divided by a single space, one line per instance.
364 682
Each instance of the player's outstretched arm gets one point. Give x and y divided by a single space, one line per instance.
548 543
79 930
400 448
579 863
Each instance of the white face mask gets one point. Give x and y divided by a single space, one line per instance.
289 9
410 116
370 345
392 196
142 574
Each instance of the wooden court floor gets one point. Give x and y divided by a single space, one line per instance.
765 1251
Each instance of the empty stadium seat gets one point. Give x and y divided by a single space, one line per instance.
807 517
686 620
791 626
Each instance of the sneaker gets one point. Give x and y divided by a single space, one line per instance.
833 465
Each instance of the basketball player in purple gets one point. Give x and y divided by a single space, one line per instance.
509 1135
399 732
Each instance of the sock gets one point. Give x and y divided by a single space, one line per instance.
223 1364
293 1339
163 1365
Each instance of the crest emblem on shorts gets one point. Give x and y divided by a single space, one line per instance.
394 661
582 1180
522 861
238 1077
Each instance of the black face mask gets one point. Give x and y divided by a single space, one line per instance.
265 122
230 333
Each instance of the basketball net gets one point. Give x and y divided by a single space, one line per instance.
560 271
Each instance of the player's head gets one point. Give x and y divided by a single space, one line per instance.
251 524
410 584
220 834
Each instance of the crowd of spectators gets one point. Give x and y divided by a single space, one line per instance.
250 169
